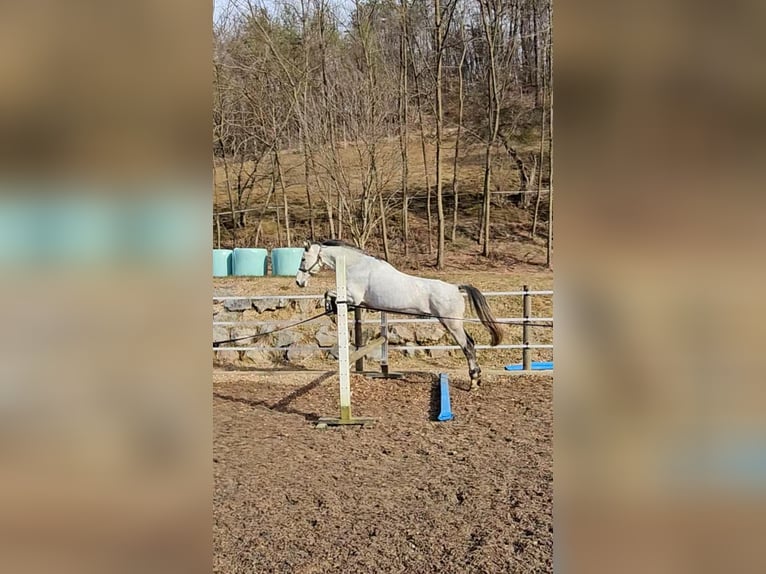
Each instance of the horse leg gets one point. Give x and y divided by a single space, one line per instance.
470 354
355 293
330 304
466 342
331 300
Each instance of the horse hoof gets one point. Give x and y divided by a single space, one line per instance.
475 383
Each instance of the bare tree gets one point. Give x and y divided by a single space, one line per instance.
307 94
423 139
549 244
442 20
461 104
404 121
533 234
240 140
361 178
304 111
491 13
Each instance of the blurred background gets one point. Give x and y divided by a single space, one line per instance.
105 181
104 286
660 447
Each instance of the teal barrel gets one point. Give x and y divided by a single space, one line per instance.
19 232
79 231
285 261
249 261
63 231
222 262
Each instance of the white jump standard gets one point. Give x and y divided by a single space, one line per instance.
344 362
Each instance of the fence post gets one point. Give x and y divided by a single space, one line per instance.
384 348
218 229
526 352
358 338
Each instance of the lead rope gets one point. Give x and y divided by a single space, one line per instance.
259 335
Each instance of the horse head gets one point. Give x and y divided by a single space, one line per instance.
311 263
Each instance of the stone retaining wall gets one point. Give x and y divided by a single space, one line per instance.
320 333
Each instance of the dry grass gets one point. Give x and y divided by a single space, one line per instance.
470 169
512 244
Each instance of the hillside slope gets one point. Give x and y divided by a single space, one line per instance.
510 224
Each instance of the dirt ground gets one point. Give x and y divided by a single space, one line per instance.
408 495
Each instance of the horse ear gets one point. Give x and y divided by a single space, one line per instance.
306 245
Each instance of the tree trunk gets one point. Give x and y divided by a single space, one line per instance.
486 202
549 246
325 199
272 189
524 178
231 202
330 220
330 119
461 101
540 176
307 180
490 22
282 186
439 119
279 228
304 127
425 165
403 124
384 228
539 78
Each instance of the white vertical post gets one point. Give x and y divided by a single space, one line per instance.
343 361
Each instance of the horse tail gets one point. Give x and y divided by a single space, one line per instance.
484 313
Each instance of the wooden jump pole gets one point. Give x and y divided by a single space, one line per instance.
365 350
526 352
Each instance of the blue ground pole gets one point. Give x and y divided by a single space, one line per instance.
536 366
445 413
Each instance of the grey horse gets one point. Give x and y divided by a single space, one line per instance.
375 283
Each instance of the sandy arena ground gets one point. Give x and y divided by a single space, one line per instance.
408 495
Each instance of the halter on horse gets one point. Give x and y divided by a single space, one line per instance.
375 283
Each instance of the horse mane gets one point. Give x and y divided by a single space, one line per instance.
340 243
